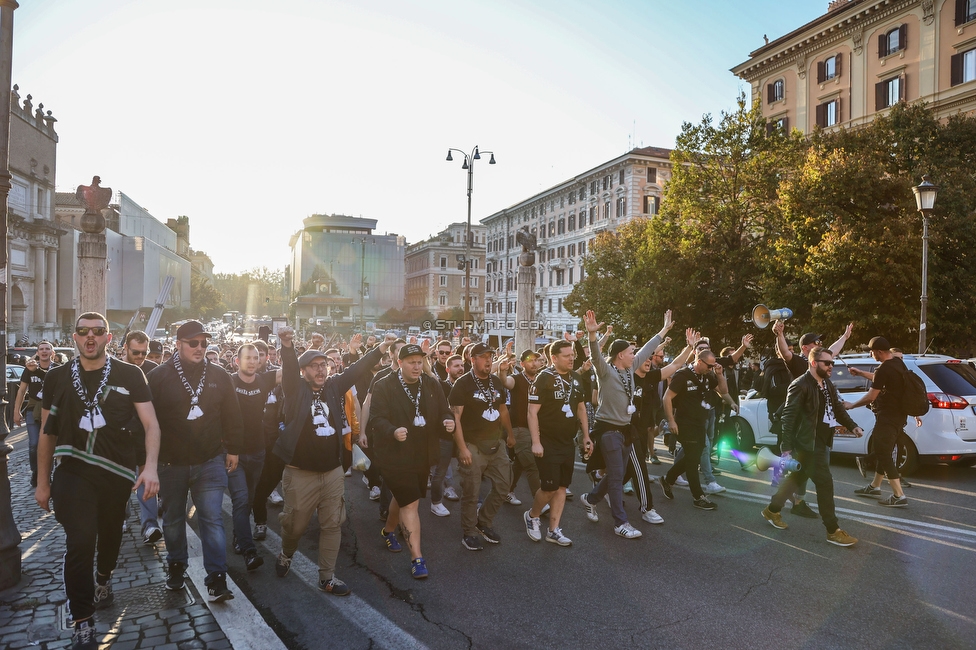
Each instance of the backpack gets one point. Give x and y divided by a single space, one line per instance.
914 395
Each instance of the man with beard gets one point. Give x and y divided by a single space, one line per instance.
408 414
31 385
87 408
311 446
813 409
443 351
155 353
201 424
525 461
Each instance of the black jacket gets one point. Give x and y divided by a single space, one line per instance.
298 400
802 414
390 409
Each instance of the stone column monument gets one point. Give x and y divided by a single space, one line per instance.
93 285
524 328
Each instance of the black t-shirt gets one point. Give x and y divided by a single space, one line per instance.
889 378
252 397
557 428
316 453
110 447
34 380
694 398
520 400
646 399
728 365
797 365
148 365
479 398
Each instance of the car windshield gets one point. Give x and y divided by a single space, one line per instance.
952 378
848 383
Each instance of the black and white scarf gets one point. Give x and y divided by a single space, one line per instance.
93 418
195 410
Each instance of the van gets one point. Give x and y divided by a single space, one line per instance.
413 331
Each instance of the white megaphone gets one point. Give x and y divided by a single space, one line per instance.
766 459
762 315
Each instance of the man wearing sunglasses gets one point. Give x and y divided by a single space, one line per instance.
443 351
87 409
201 425
813 409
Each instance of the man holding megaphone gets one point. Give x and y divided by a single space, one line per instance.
813 409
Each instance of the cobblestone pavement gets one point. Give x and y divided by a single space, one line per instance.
144 614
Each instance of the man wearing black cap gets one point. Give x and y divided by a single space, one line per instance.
478 400
409 412
155 353
315 455
887 395
532 364
200 421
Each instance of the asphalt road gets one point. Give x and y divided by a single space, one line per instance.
702 579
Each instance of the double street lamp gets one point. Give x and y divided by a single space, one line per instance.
469 165
925 193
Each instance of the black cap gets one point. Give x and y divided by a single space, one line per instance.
309 356
809 339
189 329
479 349
410 350
155 347
879 344
529 353
617 347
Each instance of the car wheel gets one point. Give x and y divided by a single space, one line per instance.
905 455
745 440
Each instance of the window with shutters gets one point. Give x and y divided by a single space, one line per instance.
963 67
652 174
561 227
965 11
776 91
621 206
592 215
829 69
652 204
780 124
572 250
572 222
582 248
889 92
828 113
606 210
892 41
620 181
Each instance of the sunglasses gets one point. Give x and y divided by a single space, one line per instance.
97 331
826 363
137 353
193 343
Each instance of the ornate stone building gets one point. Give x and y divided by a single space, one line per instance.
434 281
33 233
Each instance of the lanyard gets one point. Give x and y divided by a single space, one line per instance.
418 419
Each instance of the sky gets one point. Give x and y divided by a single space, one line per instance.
249 116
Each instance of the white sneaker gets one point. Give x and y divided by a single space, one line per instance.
628 531
544 510
590 509
557 537
511 499
451 495
682 481
532 527
374 493
713 488
439 510
652 517
628 488
349 473
275 498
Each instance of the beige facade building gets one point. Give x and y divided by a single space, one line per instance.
566 219
435 282
862 57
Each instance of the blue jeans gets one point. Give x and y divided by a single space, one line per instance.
242 483
148 510
615 454
33 437
206 484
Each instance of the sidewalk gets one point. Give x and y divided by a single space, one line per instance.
144 614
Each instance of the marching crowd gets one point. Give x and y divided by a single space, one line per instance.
463 423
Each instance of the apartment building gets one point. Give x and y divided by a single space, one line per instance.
435 275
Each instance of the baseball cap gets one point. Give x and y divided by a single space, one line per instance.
189 329
528 354
481 348
809 338
155 347
410 350
309 356
618 346
879 343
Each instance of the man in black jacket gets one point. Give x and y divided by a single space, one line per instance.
200 423
813 409
409 411
313 448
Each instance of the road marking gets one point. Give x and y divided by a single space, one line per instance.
896 550
949 521
239 620
949 612
381 631
924 537
772 539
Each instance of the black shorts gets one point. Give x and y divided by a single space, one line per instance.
406 486
555 473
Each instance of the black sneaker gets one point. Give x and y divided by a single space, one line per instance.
334 586
151 534
83 638
894 502
237 548
667 488
177 576
704 504
868 491
801 509
862 466
282 564
217 590
490 535
905 483
260 532
252 560
103 595
472 543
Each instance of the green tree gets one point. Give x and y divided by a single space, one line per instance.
205 301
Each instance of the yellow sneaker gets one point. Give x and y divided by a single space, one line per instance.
840 538
775 519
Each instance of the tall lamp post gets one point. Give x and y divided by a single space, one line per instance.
469 165
363 285
925 193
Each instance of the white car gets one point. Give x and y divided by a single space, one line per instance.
947 434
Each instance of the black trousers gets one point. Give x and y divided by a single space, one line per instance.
636 471
270 476
89 503
815 466
885 435
688 465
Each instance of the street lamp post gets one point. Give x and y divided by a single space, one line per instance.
469 165
363 285
925 193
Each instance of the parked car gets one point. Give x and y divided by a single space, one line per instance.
947 434
13 384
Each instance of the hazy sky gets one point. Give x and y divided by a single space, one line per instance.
249 116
